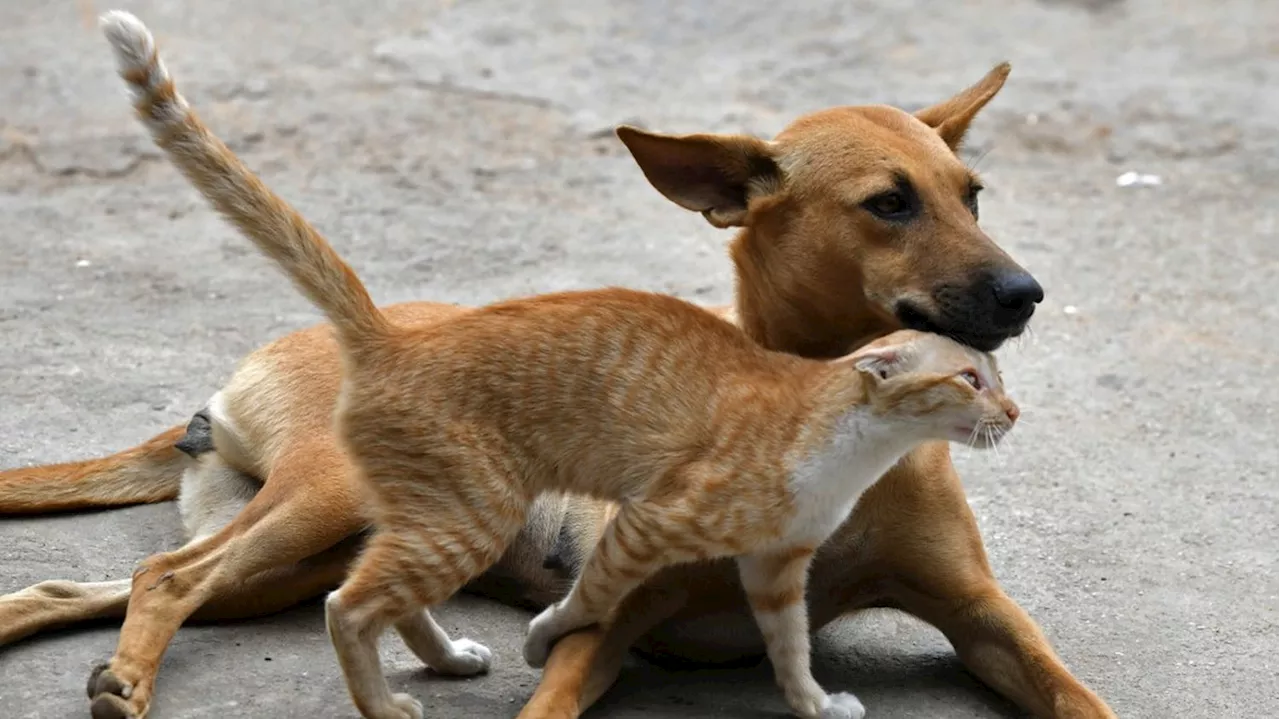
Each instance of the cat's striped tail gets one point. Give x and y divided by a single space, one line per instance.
277 229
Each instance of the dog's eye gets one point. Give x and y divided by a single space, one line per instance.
892 205
972 378
971 200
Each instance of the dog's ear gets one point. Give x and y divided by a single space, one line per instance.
951 118
717 175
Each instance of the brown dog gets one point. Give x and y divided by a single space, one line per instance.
853 225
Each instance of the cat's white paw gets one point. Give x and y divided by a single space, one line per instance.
554 622
842 706
406 707
467 658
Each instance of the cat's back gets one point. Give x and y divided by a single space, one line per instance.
616 346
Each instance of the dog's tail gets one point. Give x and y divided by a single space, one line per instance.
276 228
150 472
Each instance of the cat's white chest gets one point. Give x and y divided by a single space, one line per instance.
822 503
826 485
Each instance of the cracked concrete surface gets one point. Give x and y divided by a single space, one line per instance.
461 151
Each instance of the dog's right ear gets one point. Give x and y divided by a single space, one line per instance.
717 175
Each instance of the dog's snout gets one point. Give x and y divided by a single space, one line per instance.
1017 291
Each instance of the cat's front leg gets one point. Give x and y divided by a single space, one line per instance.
775 584
640 540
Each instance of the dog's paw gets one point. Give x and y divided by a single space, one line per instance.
467 658
109 695
407 706
843 706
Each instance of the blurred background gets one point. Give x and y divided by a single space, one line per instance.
463 151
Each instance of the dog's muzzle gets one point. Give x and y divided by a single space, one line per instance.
982 315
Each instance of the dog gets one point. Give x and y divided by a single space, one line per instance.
272 519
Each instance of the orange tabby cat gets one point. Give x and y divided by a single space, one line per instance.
713 445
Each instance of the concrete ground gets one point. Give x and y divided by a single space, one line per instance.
461 151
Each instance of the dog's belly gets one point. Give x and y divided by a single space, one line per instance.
715 638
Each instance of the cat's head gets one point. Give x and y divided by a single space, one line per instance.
943 388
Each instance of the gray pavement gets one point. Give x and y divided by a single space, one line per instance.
460 151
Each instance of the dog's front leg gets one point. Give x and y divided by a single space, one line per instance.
57 603
938 571
1002 645
584 664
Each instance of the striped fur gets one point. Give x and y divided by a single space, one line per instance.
715 446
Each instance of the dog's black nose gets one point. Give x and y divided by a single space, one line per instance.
1017 291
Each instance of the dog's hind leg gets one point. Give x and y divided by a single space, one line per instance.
212 495
306 506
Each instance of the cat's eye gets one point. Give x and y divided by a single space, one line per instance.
972 378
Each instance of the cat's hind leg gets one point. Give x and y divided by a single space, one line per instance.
428 640
424 550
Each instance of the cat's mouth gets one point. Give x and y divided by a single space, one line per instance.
979 436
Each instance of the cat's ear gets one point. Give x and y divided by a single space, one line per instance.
717 175
879 363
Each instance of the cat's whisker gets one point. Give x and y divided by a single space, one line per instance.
989 430
1008 438
973 436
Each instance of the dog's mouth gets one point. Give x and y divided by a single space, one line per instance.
983 339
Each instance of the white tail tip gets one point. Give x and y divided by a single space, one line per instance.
130 40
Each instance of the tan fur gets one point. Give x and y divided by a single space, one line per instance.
717 446
816 288
146 473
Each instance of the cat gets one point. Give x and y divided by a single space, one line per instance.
713 445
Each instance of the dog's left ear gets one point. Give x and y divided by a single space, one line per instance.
951 118
717 175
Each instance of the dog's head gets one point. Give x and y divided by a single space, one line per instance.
858 221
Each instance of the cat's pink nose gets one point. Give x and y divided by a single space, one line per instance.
1013 412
